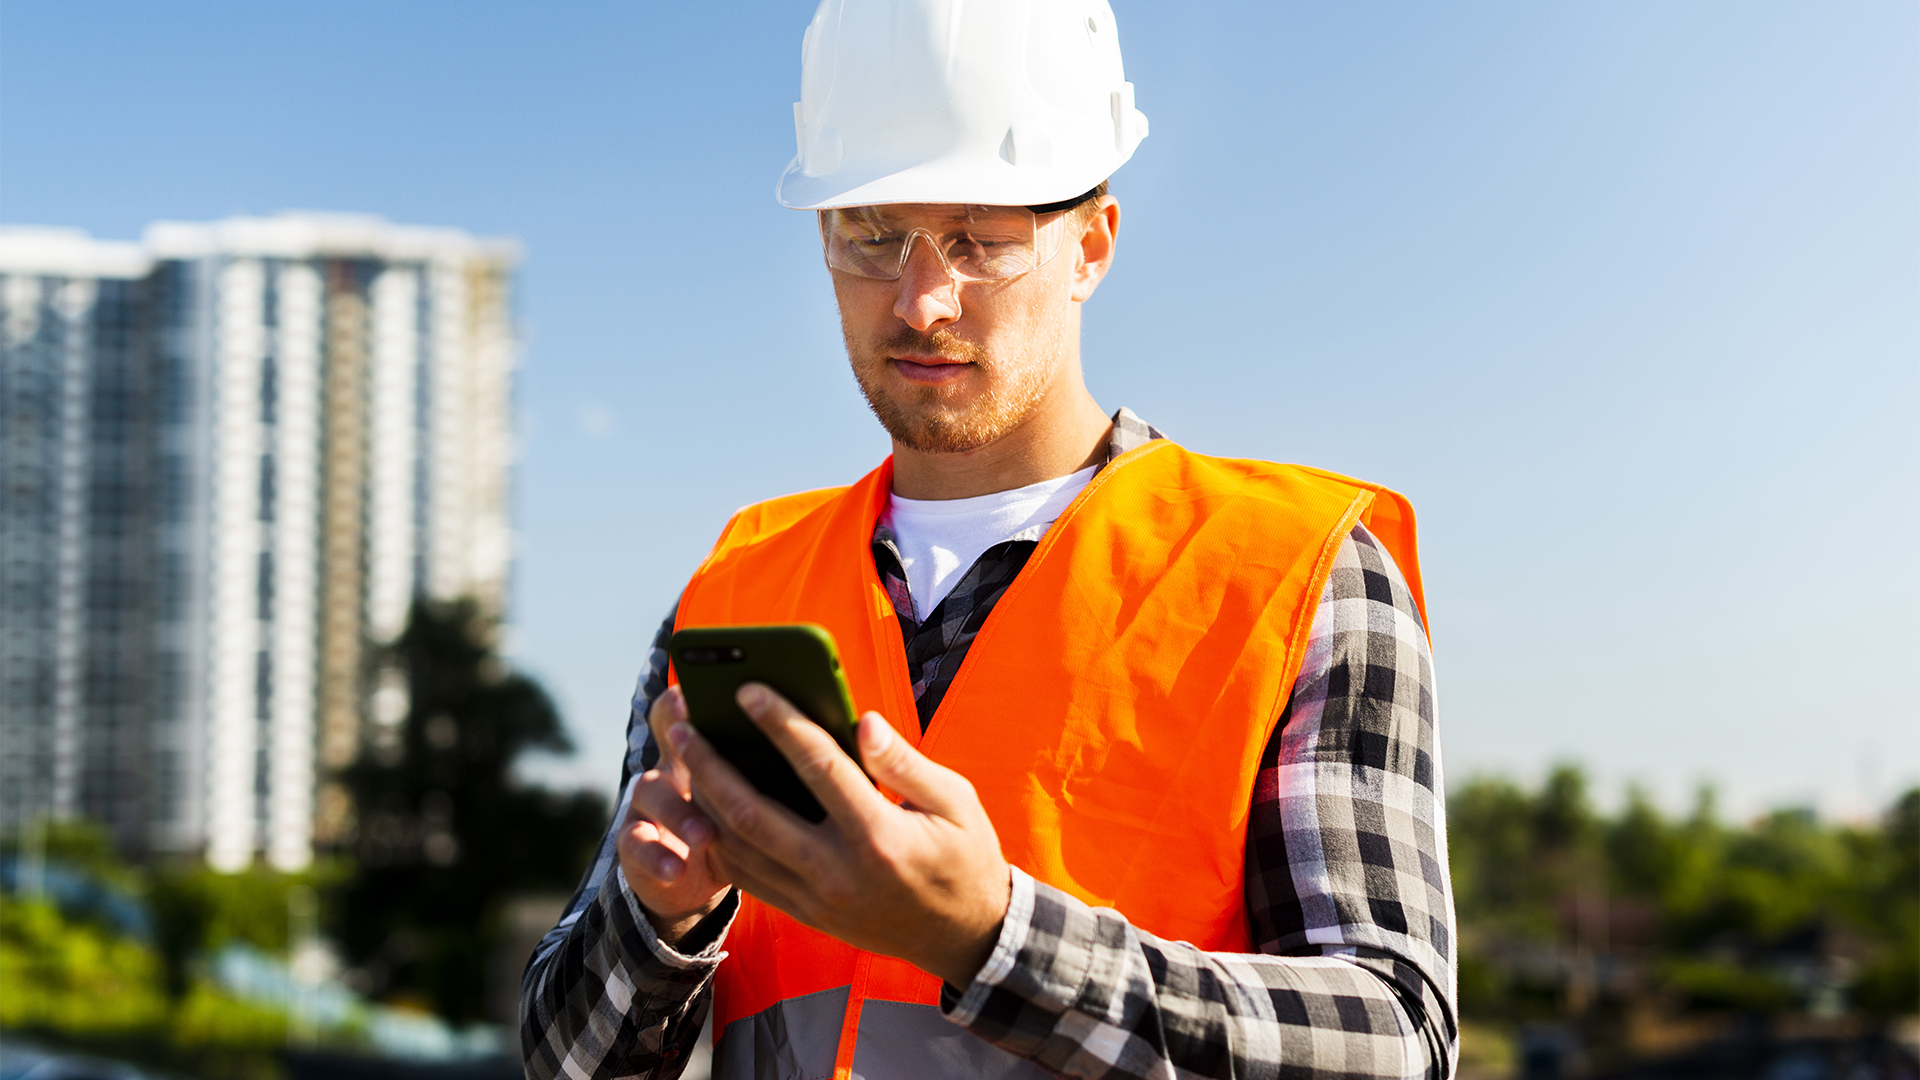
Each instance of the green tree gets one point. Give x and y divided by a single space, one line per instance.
198 910
1758 919
76 978
78 966
444 833
1889 903
1516 856
1643 850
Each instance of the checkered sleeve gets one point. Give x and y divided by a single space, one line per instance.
602 996
1347 894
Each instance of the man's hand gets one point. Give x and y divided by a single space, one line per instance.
923 881
676 884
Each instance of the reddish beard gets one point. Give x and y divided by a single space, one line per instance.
943 419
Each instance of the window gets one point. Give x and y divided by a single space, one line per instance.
263 588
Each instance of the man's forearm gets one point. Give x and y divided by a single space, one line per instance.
1083 993
1347 890
603 997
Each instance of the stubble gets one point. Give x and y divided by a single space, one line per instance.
948 419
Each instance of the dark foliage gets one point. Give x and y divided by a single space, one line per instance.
444 834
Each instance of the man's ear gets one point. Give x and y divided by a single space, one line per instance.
1096 247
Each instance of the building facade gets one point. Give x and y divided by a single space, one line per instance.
235 454
74 581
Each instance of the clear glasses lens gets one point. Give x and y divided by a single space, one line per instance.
975 243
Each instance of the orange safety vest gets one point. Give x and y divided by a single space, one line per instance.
1111 713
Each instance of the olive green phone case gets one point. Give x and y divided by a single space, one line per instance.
799 661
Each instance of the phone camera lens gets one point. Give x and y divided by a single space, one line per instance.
736 654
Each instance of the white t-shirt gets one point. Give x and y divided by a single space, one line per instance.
940 538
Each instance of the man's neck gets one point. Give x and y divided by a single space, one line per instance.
1059 438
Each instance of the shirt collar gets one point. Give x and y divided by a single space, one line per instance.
1129 431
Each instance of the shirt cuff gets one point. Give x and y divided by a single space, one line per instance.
964 1007
706 936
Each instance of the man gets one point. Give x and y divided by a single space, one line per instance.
1158 785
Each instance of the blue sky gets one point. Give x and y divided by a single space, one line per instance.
1625 296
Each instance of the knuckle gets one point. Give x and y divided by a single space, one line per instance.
656 798
810 863
815 763
640 854
629 842
636 805
680 777
742 813
669 753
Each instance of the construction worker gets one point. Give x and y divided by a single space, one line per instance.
1159 791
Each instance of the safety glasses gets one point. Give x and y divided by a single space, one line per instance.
973 243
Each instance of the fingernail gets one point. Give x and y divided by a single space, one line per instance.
752 696
695 832
670 868
680 735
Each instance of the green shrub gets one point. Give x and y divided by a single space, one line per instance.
75 978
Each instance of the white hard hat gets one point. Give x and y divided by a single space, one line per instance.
996 102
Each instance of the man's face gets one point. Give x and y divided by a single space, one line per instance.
950 366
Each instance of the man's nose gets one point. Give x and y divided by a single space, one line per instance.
928 294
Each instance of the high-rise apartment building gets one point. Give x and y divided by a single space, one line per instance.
74 539
234 454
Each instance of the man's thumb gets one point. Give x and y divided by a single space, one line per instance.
893 762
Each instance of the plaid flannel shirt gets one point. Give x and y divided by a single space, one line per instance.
1347 886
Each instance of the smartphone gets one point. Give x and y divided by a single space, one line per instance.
799 662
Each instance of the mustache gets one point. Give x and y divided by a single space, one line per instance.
939 341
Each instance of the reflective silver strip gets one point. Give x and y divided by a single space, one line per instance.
793 1039
900 1039
796 1040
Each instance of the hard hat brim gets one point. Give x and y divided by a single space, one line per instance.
957 179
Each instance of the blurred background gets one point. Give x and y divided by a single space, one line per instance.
366 405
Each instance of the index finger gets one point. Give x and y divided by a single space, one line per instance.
834 778
668 709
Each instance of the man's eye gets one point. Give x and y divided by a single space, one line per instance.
981 245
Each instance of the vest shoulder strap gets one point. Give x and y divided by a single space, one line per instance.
758 522
1388 516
